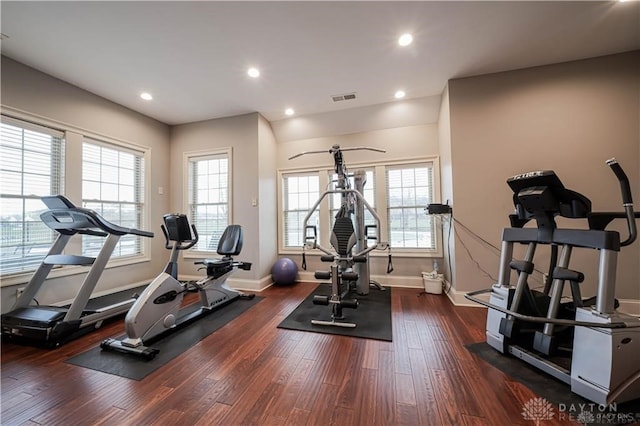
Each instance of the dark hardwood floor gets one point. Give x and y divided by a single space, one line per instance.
250 372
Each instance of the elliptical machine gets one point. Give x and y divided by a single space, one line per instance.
603 344
349 271
158 310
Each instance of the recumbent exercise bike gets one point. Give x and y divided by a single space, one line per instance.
158 311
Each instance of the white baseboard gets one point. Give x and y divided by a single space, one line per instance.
458 299
250 285
385 280
630 306
239 283
105 292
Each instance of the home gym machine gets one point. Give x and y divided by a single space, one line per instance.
350 258
587 344
52 325
158 311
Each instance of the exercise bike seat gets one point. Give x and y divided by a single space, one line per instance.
230 244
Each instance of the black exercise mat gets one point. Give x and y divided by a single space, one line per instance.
133 367
570 405
372 317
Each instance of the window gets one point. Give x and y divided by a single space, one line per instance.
409 191
209 196
368 194
301 192
113 186
398 191
31 166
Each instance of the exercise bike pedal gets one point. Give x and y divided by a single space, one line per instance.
113 345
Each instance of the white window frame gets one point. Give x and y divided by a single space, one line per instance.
189 157
380 188
139 199
282 202
56 185
420 214
72 188
334 208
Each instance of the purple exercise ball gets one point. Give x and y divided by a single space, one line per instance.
284 271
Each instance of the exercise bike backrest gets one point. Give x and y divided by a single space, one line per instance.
230 243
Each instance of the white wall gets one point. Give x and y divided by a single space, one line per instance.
267 199
568 117
446 183
28 90
253 187
404 113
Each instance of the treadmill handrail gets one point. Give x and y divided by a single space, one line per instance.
72 219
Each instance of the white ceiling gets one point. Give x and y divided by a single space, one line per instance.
193 56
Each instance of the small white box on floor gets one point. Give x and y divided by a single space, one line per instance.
432 282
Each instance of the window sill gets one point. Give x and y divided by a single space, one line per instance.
200 255
375 253
65 271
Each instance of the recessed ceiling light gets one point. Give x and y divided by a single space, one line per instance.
399 94
253 72
146 96
289 111
405 39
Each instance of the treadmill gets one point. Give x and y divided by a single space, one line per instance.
51 326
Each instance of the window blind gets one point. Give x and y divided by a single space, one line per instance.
209 197
113 186
300 191
31 166
409 191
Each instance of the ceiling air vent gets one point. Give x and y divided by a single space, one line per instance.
343 97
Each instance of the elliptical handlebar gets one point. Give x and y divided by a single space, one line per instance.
627 200
625 188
